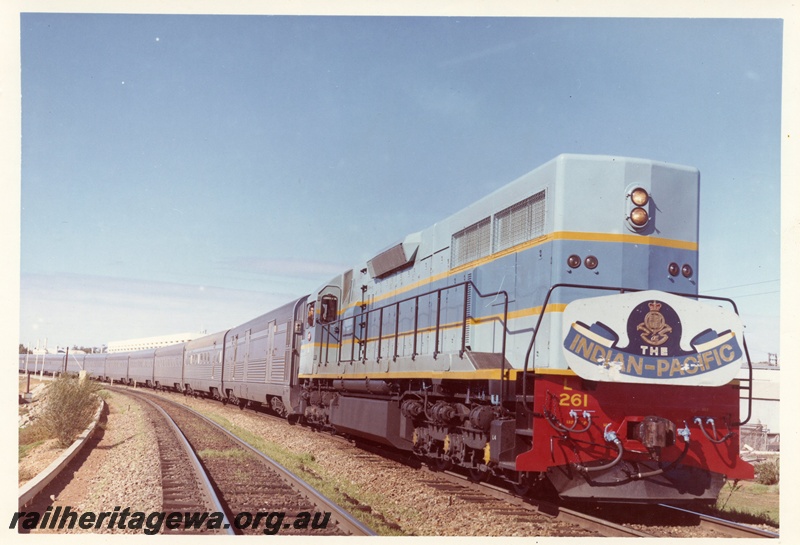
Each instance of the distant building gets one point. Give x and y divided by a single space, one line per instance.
763 429
147 343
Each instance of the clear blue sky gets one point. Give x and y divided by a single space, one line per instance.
185 172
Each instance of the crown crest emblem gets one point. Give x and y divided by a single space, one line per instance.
654 329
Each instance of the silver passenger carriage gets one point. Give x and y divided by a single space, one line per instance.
260 360
168 367
95 364
117 367
202 365
140 368
74 362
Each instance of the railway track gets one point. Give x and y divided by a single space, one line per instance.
184 482
256 494
558 519
722 527
595 525
692 523
673 522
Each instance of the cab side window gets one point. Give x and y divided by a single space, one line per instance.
310 316
329 309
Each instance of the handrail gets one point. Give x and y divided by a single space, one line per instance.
330 329
633 290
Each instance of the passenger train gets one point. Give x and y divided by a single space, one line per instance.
549 335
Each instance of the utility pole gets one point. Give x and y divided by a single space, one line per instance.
27 375
36 361
44 358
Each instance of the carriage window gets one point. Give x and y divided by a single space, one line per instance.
329 309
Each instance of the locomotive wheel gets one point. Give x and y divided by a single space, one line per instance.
441 464
476 475
522 489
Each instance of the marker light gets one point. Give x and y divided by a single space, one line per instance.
590 262
639 217
573 261
674 269
686 270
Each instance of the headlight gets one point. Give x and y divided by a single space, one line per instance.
590 262
573 261
639 217
686 270
639 196
638 207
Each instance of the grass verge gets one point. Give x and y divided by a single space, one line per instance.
750 503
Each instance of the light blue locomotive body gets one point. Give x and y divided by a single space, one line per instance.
447 299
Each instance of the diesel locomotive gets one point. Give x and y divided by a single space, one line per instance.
550 334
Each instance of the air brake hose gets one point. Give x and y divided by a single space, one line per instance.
610 437
552 419
663 469
699 422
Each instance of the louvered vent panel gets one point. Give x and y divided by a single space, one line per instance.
520 222
471 243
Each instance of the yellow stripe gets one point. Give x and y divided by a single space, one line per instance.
626 239
559 235
478 374
565 372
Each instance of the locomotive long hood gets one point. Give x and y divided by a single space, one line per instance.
652 337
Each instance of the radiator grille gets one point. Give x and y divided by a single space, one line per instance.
519 223
471 243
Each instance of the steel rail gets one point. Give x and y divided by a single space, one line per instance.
200 472
730 528
346 521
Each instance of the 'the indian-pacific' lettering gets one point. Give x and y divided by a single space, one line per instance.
652 366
